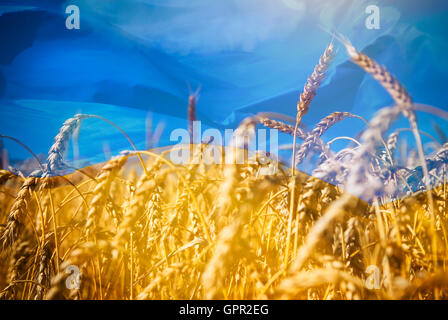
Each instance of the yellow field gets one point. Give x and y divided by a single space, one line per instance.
141 227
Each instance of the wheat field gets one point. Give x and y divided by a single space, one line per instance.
142 227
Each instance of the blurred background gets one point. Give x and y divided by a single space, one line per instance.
136 62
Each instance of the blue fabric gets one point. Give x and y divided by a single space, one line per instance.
134 57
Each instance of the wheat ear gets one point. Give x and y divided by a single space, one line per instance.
17 214
314 82
59 147
101 191
145 187
314 137
5 175
283 127
192 100
402 99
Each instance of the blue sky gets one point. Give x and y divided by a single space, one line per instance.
134 57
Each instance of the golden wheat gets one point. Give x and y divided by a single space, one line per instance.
153 229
